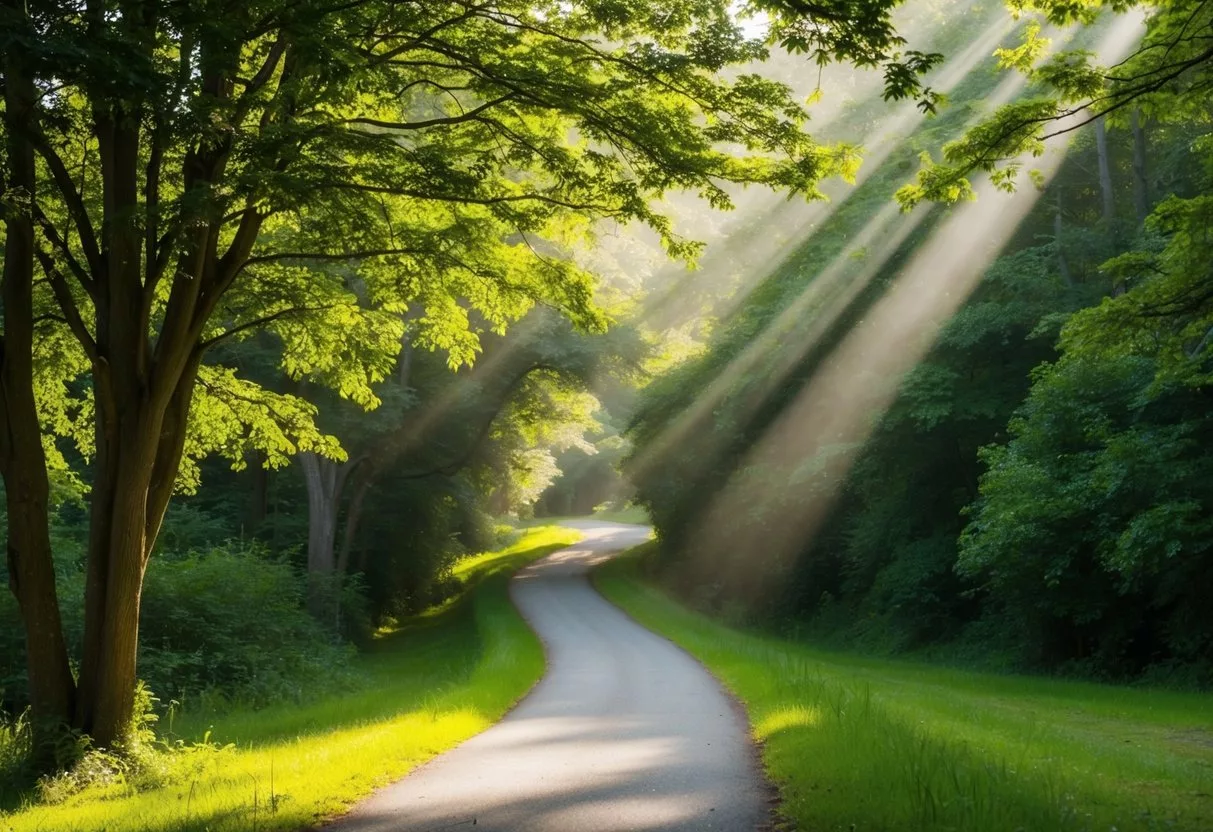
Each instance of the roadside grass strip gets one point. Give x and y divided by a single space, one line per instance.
863 744
421 690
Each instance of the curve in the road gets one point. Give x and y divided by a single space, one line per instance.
625 732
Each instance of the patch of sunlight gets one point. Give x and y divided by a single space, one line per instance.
793 716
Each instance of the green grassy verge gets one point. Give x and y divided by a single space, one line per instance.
423 689
855 743
637 515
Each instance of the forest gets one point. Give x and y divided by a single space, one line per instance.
893 320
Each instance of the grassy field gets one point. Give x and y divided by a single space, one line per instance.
862 744
424 689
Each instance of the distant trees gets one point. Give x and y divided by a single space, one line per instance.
1037 494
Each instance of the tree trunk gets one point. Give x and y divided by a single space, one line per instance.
31 570
1105 174
1063 265
259 501
353 517
138 455
325 481
1141 189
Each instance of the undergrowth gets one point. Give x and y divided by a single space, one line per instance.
419 689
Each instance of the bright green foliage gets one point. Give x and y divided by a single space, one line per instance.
419 690
182 178
1166 77
231 624
436 149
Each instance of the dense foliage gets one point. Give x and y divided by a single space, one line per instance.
1035 491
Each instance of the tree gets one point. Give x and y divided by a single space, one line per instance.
1168 75
175 172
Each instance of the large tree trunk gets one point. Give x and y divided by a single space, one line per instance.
137 460
31 570
142 400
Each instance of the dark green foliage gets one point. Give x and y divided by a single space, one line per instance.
1036 494
414 531
230 622
224 623
1092 535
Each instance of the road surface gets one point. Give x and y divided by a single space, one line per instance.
625 733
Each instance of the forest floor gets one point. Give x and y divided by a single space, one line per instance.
860 743
419 691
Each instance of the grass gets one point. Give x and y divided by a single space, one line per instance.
856 743
424 689
630 513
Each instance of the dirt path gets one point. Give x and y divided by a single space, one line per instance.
625 732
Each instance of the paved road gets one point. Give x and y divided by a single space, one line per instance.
625 733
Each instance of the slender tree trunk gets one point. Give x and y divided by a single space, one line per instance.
325 481
31 570
1141 190
1063 265
353 517
1105 173
259 500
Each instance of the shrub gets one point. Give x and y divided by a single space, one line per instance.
231 620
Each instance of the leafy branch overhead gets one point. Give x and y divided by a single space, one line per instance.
442 150
1164 78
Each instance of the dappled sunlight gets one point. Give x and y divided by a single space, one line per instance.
790 716
624 732
891 744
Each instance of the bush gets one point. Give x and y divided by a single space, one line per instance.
232 621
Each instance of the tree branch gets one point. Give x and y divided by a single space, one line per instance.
63 295
470 115
262 321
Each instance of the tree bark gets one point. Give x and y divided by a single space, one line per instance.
1105 173
353 517
325 482
31 570
259 500
1141 189
1063 265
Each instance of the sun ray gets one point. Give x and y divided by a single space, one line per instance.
829 420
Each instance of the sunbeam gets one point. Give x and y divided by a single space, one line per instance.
828 422
802 324
780 226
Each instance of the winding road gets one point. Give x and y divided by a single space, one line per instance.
625 732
